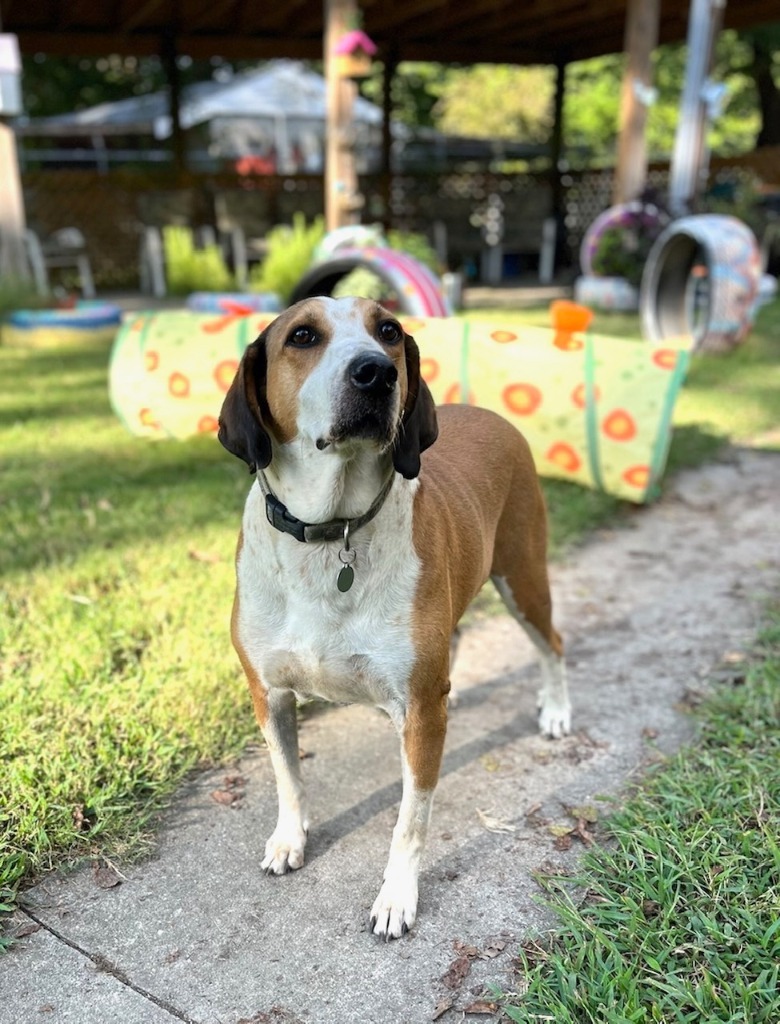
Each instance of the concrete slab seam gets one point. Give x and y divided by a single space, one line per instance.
108 967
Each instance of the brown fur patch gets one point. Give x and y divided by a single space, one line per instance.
288 366
478 511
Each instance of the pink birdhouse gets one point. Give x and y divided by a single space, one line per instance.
353 53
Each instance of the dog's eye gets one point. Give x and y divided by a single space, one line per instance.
302 337
390 332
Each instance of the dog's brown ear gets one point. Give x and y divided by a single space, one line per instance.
241 427
418 428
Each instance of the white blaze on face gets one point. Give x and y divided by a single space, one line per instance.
324 390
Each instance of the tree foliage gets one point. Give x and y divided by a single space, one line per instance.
488 101
497 102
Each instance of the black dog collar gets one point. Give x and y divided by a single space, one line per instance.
280 517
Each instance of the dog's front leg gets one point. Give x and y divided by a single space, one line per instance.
284 850
422 741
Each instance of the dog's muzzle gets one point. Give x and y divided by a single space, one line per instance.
367 408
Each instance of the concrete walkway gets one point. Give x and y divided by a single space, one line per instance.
197 933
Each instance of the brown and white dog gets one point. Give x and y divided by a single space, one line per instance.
357 558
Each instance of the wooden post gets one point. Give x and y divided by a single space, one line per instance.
13 260
342 199
13 257
641 39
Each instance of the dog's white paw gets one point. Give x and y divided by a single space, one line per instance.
395 908
284 850
554 719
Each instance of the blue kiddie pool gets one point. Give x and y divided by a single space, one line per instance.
231 302
44 328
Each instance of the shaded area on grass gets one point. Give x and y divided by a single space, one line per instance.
680 916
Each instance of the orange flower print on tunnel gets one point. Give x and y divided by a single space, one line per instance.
412 326
224 373
564 457
452 396
147 419
522 399
567 342
619 425
666 358
503 337
429 370
637 476
578 396
179 385
151 360
208 425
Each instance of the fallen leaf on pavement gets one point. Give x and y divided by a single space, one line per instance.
492 950
442 1006
457 971
105 877
494 824
481 1006
26 929
225 797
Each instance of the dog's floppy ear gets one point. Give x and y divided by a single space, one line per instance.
418 428
241 427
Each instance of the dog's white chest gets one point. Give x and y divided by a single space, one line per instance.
302 633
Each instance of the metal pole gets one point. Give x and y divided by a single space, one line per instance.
687 157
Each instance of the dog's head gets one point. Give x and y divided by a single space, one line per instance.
330 372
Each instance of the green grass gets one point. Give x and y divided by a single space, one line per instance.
116 578
680 923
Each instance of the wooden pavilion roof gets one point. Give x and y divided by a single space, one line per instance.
459 31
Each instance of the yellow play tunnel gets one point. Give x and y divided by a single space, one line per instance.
595 410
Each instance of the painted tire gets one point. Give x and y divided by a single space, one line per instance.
419 290
606 293
226 302
615 217
727 252
351 236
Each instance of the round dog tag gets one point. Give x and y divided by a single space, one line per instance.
345 578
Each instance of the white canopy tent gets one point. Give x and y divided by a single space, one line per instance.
277 112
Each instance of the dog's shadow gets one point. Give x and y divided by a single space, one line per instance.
521 724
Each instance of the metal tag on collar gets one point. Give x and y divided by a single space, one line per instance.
346 576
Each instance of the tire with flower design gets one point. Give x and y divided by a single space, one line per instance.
418 289
701 281
637 215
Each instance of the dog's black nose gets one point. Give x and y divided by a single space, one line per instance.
373 373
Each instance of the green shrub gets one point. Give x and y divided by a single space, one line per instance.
188 269
289 256
17 293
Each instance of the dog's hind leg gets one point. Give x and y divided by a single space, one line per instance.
531 606
519 572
